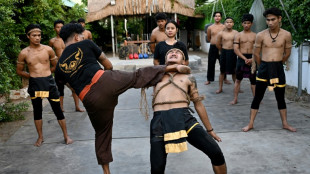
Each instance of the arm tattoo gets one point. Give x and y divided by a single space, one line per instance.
193 80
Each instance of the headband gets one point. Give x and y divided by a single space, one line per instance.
32 30
177 50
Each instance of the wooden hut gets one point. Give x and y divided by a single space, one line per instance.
101 9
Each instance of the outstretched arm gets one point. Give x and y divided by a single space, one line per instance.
178 68
201 110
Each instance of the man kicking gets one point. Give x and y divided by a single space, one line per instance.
243 47
41 62
98 89
58 44
172 124
228 59
274 44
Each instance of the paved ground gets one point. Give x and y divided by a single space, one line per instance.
268 149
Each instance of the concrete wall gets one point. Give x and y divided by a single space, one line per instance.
292 73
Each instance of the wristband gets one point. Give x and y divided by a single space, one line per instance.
210 130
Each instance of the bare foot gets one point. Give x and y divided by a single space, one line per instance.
227 82
183 69
233 102
79 110
247 128
218 91
290 128
241 91
68 140
39 142
207 82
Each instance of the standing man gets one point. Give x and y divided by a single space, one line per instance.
274 44
99 89
158 34
212 32
58 44
243 47
172 124
87 34
224 43
41 62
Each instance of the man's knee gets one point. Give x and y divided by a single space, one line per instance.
217 157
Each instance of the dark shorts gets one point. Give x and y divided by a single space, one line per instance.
228 61
181 117
102 98
271 73
44 87
244 71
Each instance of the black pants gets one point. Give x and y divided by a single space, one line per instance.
37 108
197 137
260 92
213 55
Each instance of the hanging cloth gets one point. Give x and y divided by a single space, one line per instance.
257 10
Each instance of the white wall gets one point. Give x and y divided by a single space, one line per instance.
204 45
292 73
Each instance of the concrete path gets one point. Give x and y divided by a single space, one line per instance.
268 149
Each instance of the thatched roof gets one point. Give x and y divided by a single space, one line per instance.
99 9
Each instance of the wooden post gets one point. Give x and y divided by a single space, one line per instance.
112 31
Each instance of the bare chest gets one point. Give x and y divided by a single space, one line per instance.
269 42
173 86
228 36
37 57
160 36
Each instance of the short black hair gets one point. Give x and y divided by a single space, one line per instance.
81 20
161 16
247 17
173 22
69 30
273 11
229 18
217 12
32 26
73 22
59 21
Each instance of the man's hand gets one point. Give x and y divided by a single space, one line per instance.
248 62
183 69
217 138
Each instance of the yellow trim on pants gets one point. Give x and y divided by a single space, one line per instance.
175 135
176 148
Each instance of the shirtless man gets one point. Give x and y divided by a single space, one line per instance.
58 44
212 32
274 44
41 62
81 64
224 43
158 34
243 47
172 124
87 34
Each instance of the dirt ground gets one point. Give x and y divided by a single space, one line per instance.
7 129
